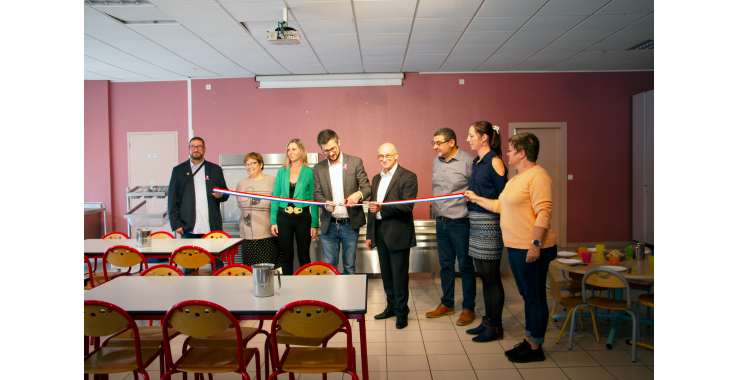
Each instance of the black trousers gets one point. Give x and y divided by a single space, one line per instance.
394 271
298 226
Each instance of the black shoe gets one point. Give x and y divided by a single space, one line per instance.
489 334
518 348
385 314
479 329
401 322
527 354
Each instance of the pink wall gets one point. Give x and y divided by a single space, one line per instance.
97 147
143 107
235 117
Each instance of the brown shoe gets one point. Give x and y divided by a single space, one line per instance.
440 311
466 318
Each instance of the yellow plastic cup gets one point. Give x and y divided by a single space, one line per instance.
600 249
650 260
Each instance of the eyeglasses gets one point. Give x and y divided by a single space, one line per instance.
196 147
332 150
438 143
386 157
252 163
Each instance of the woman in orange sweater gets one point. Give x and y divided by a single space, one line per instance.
525 206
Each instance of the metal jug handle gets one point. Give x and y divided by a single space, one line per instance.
280 284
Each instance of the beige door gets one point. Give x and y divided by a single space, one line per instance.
151 157
553 158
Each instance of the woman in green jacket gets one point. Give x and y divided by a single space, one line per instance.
289 220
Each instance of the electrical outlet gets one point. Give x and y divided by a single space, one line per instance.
208 87
570 177
462 81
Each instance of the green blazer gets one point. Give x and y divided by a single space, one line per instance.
303 190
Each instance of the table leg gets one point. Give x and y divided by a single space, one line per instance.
363 347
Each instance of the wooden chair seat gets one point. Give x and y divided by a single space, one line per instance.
97 278
640 285
608 303
316 359
646 299
117 359
570 302
572 287
284 337
150 336
223 339
212 359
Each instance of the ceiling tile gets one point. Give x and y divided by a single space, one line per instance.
390 25
478 58
337 50
341 59
115 58
533 36
631 35
487 49
434 38
189 45
447 8
93 17
306 69
459 66
430 49
593 55
257 11
269 70
614 45
426 58
328 26
485 37
641 65
112 32
381 9
496 24
533 66
637 54
557 56
569 65
573 47
215 30
193 14
420 67
571 7
384 38
162 31
333 39
430 25
138 46
383 67
95 46
383 49
644 23
93 76
508 8
522 47
134 13
343 68
509 57
248 55
301 53
373 59
608 22
496 66
321 10
618 7
577 35
191 2
556 23
224 44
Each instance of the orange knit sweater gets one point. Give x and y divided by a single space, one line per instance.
526 202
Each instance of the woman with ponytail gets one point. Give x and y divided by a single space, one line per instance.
487 180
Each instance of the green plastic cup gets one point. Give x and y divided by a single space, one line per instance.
628 249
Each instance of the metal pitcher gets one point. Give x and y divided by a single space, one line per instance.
144 237
263 277
638 251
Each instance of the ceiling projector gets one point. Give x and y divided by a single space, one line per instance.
283 34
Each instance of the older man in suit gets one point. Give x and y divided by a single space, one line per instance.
193 207
340 179
390 228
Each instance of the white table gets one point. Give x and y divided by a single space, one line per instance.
161 248
135 295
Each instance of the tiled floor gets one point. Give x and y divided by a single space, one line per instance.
438 349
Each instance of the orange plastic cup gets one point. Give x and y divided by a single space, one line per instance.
581 250
613 260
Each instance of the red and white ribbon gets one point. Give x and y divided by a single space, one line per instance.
317 203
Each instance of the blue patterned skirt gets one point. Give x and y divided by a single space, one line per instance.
486 241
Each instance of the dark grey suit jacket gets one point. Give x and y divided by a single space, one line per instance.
398 220
355 179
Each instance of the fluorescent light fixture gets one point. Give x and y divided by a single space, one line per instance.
330 80
645 45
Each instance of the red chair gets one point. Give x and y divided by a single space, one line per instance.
228 255
235 270
162 235
312 320
114 355
200 320
193 257
316 269
162 270
124 257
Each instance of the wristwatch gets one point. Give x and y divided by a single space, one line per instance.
536 243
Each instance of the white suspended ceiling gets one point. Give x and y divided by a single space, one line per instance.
227 38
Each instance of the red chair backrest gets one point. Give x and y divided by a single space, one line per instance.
192 257
162 235
234 270
316 269
162 270
216 235
115 235
122 256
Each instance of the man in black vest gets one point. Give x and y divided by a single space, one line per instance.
192 205
390 228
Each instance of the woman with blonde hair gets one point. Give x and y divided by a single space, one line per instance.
293 220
